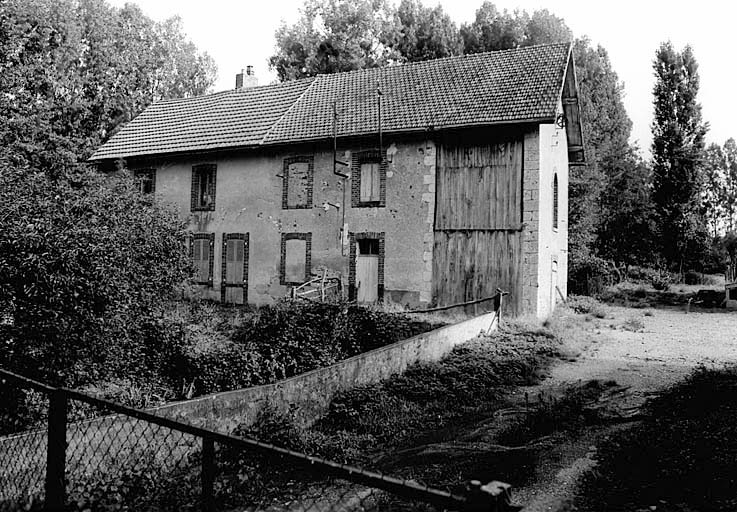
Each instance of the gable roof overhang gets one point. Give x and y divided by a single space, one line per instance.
505 87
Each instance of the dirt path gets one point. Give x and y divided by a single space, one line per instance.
669 346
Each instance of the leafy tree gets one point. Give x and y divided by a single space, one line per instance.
494 30
335 35
678 151
86 262
501 30
627 215
74 71
86 267
423 33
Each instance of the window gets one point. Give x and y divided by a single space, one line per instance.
555 201
368 182
297 188
203 257
146 179
296 249
203 187
233 286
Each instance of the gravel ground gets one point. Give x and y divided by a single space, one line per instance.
671 344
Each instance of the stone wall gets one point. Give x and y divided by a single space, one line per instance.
530 220
310 394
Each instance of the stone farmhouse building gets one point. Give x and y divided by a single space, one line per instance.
429 183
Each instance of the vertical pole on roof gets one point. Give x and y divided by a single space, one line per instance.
335 136
378 101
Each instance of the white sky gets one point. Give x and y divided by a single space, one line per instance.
240 33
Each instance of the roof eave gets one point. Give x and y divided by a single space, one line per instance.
266 144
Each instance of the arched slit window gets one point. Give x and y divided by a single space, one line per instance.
555 201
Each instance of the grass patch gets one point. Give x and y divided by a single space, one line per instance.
568 413
388 425
683 457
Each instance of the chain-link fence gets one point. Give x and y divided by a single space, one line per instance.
64 450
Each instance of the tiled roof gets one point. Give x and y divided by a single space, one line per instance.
487 88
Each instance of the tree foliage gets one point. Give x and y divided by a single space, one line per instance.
73 72
423 33
86 266
86 262
333 36
678 152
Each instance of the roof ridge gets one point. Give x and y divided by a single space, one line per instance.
444 59
313 80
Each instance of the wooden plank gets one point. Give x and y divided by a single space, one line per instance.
479 186
469 265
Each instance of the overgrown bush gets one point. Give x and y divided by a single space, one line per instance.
86 266
590 276
661 281
287 338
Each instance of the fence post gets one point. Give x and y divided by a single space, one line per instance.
208 474
56 452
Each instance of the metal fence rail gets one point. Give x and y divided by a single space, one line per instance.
64 450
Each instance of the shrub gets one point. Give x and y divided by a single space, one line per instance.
634 324
661 281
87 265
590 276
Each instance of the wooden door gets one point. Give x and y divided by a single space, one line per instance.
367 271
478 219
234 274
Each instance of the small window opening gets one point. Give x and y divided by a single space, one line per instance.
368 246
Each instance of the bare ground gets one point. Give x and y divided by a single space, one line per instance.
668 347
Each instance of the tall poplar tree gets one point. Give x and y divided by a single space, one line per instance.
678 153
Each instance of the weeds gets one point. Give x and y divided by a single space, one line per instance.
682 457
634 324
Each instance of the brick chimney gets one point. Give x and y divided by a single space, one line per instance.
246 78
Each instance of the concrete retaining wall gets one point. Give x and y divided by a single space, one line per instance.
309 394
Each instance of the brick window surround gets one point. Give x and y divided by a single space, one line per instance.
146 180
244 238
361 157
210 237
307 237
202 189
310 161
353 244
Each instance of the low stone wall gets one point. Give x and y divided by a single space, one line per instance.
309 394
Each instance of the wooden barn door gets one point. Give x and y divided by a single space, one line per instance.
478 221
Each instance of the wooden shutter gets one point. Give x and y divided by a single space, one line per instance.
234 254
202 259
555 201
295 261
370 182
195 188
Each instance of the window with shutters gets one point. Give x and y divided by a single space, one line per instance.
297 182
146 180
368 182
555 201
234 282
296 258
202 250
203 187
